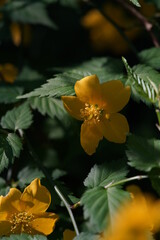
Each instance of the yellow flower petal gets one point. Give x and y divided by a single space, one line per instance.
68 234
114 128
88 90
9 72
38 195
43 225
115 95
5 228
73 106
9 202
90 137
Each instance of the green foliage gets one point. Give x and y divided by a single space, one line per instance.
28 12
6 154
27 175
150 57
9 94
18 118
144 82
24 237
102 200
15 143
135 2
143 154
4 189
86 236
50 106
156 2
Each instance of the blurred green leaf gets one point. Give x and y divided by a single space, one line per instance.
28 12
143 154
58 173
24 237
52 107
151 57
156 2
101 202
6 154
144 82
17 118
15 143
27 175
4 189
135 2
154 176
86 236
9 94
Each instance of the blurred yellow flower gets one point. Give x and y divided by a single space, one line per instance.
97 105
68 234
8 72
136 220
103 35
26 212
21 34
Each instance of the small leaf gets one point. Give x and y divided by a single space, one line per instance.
58 173
136 3
15 143
6 154
17 118
143 154
87 236
9 94
151 57
4 189
27 175
24 237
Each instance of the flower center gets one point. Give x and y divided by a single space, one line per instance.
91 112
20 221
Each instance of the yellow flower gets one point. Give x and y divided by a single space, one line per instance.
26 212
136 220
97 105
68 235
8 72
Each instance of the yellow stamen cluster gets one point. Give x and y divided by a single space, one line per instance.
91 112
21 220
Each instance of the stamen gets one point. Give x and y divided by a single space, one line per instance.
21 220
91 112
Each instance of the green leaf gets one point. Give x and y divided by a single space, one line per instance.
101 201
24 237
100 205
151 57
87 236
6 154
27 175
9 94
105 174
143 154
52 107
32 12
17 118
4 189
156 2
144 82
135 2
15 143
58 173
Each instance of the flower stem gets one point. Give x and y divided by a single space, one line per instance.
147 24
112 184
48 177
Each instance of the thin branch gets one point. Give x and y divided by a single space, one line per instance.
147 24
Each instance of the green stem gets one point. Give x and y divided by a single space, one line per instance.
48 177
112 184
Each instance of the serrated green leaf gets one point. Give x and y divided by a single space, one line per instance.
52 107
144 81
9 94
105 174
143 154
28 12
6 154
27 175
151 57
15 143
101 204
87 236
135 2
24 237
17 118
